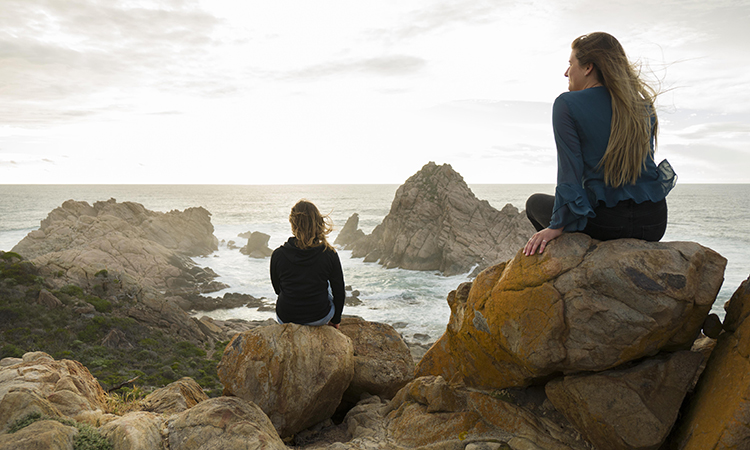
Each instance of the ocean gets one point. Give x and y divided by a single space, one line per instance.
413 301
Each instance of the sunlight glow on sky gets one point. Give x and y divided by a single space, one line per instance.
287 92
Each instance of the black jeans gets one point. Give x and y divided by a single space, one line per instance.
627 219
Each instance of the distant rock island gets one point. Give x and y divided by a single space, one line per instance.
437 223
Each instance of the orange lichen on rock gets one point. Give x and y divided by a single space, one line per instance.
718 413
582 305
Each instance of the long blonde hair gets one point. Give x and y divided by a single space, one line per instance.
309 226
633 110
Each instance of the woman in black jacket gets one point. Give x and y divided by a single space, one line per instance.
306 271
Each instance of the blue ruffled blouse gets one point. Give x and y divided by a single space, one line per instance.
581 121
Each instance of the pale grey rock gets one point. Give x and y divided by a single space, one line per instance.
257 245
437 223
350 233
138 248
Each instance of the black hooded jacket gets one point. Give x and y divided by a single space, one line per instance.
300 279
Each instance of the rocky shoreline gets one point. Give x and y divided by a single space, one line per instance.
650 389
591 345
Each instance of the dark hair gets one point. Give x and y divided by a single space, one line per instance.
632 107
309 226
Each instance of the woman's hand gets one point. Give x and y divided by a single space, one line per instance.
540 240
334 325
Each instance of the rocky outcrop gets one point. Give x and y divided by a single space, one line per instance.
44 434
257 245
718 413
39 384
626 409
176 397
429 412
134 431
226 423
296 374
583 305
138 247
382 361
437 223
350 234
166 314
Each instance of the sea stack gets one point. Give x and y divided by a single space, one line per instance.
437 223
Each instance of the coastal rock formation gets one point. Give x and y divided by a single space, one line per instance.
627 409
39 384
430 411
44 434
257 245
135 430
296 374
227 423
583 305
176 397
437 223
141 248
350 234
718 412
164 313
382 361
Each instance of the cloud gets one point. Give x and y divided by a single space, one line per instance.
392 65
59 53
714 130
437 16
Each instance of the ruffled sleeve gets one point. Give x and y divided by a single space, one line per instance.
572 207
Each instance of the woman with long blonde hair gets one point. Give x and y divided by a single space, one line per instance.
608 185
306 271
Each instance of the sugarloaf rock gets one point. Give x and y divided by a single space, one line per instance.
437 223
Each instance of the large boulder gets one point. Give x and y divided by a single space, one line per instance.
627 409
257 245
137 430
175 397
39 384
718 412
437 223
431 412
382 361
296 374
224 423
41 435
582 305
139 247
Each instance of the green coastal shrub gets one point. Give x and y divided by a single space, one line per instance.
10 351
72 290
157 356
88 438
99 304
10 256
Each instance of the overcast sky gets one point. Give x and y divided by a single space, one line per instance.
296 92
